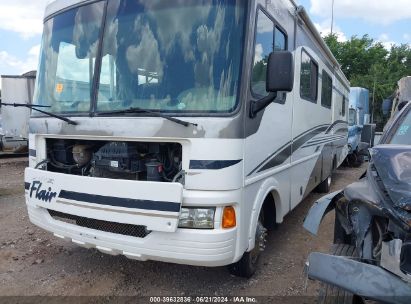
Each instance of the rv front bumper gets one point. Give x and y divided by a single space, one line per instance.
153 207
365 280
210 248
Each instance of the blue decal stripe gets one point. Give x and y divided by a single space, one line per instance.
212 164
329 138
282 154
120 202
323 142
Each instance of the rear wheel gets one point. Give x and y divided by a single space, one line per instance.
247 265
325 186
330 294
355 159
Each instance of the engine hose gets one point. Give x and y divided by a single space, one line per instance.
179 174
41 164
59 165
164 176
168 160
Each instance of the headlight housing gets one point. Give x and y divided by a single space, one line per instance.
197 218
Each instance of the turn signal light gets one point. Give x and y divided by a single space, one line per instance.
229 220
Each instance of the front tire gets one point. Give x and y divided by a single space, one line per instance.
247 265
329 294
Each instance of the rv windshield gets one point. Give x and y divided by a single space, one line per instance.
172 56
68 55
177 56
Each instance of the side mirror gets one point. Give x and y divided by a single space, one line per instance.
280 78
280 72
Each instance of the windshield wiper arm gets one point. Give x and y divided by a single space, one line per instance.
34 107
22 105
140 110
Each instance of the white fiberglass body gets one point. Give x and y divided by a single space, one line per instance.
119 69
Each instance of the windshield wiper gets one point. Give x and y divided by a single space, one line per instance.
33 107
157 114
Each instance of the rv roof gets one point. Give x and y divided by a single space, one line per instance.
58 5
55 6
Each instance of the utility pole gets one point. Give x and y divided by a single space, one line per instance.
332 17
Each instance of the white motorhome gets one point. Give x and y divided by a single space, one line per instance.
182 129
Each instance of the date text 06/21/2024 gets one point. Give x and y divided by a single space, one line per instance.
203 299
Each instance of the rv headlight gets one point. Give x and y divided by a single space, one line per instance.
197 218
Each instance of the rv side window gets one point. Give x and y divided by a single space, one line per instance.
352 117
309 78
268 38
264 42
343 106
327 90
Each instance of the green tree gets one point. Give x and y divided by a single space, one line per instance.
367 64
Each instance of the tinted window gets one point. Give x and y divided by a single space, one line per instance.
352 117
309 78
343 106
169 57
402 133
69 50
327 90
263 47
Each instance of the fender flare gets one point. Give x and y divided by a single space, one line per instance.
319 210
266 188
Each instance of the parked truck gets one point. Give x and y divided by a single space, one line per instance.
401 97
14 127
359 115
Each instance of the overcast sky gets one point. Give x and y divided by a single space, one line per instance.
388 21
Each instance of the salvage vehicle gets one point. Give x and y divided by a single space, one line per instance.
358 116
372 238
182 129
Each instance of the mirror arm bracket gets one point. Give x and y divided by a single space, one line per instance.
258 105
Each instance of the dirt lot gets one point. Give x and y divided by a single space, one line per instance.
33 262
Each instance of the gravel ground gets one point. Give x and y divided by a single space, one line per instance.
34 263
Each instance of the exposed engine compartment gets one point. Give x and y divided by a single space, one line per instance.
145 161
